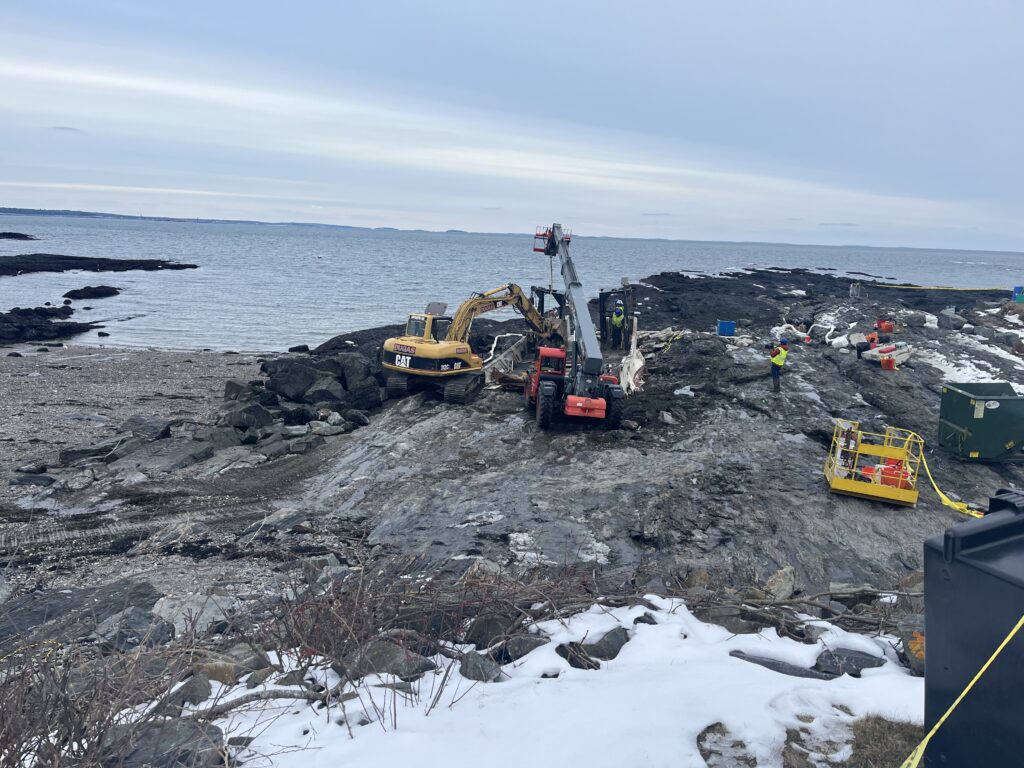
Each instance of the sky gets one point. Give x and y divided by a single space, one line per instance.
867 122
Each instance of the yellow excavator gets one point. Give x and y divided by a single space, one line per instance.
434 352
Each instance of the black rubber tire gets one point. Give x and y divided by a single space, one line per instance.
616 407
398 385
545 406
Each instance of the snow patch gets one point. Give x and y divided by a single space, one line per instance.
646 707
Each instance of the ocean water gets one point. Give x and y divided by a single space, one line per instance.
268 287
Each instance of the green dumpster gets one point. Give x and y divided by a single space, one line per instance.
982 421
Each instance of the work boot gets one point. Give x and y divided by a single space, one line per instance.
776 384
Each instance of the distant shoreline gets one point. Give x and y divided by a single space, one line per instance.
7 211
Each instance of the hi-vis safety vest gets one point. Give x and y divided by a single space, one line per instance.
617 318
779 358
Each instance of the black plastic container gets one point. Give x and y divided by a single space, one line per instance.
974 595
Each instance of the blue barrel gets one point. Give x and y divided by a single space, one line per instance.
726 327
1018 293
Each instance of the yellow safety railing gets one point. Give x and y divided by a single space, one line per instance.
874 465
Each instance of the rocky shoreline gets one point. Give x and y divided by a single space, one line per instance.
226 477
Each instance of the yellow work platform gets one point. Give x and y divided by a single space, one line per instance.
871 465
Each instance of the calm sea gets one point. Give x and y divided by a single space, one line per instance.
268 287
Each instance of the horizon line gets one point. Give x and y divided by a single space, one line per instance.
66 212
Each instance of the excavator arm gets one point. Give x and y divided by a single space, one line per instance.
509 295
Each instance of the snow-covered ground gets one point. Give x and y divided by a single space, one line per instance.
646 707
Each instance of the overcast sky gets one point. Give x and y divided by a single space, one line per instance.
865 122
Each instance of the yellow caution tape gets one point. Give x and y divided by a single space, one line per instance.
915 757
53 643
959 506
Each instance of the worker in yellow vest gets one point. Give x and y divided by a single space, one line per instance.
779 355
618 321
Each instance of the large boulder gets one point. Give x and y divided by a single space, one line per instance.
198 611
475 666
325 390
92 292
608 647
293 380
385 658
131 628
365 396
166 744
248 417
352 367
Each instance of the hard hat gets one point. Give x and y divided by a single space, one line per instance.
783 340
618 302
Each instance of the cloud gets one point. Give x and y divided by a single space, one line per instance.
66 129
376 147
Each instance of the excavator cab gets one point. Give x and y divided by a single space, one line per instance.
425 327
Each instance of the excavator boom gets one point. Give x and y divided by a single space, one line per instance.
509 295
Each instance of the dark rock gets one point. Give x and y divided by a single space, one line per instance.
475 666
842 661
32 614
365 396
234 389
131 628
259 677
486 630
32 469
148 427
283 520
577 657
102 333
92 292
292 381
299 348
71 456
647 618
951 322
184 534
16 236
352 367
43 349
125 447
608 647
51 262
249 417
302 414
727 616
194 691
781 666
518 646
360 418
20 479
384 658
295 677
171 743
984 331
40 324
219 437
304 445
166 456
327 389
14 354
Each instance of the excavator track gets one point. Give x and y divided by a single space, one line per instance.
398 385
462 389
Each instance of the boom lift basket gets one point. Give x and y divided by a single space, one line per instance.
872 465
543 234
